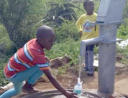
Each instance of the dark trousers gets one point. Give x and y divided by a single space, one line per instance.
89 59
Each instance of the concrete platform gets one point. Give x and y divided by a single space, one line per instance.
55 94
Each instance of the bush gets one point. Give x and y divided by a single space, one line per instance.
3 81
68 30
3 62
123 55
123 32
69 47
7 47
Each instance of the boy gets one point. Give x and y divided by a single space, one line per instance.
88 33
29 63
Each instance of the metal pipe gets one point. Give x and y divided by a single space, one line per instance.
91 41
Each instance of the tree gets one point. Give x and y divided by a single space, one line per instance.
18 18
60 11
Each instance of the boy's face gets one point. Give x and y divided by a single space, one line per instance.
47 43
89 8
45 37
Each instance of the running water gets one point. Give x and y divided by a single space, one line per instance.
78 87
81 64
81 57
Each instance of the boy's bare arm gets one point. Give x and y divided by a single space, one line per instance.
57 85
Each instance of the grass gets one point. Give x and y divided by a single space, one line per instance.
3 62
69 47
123 54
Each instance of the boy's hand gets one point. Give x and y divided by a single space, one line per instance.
58 86
70 95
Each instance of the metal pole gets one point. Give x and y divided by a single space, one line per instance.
107 52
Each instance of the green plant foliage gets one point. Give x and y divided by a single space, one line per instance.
123 54
18 18
123 29
96 4
68 30
126 10
123 32
6 48
60 10
6 45
69 47
3 81
3 62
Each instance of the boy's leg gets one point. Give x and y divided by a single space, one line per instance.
31 80
90 60
19 78
28 87
12 92
35 76
25 75
30 76
86 59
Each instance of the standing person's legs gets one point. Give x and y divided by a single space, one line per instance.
86 59
90 68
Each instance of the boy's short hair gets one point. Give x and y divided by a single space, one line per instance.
43 28
86 2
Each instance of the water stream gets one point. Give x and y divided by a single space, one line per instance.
78 87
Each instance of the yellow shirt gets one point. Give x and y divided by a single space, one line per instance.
82 20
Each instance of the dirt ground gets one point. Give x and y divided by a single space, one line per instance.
68 81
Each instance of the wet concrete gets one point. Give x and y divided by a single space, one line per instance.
56 94
90 93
